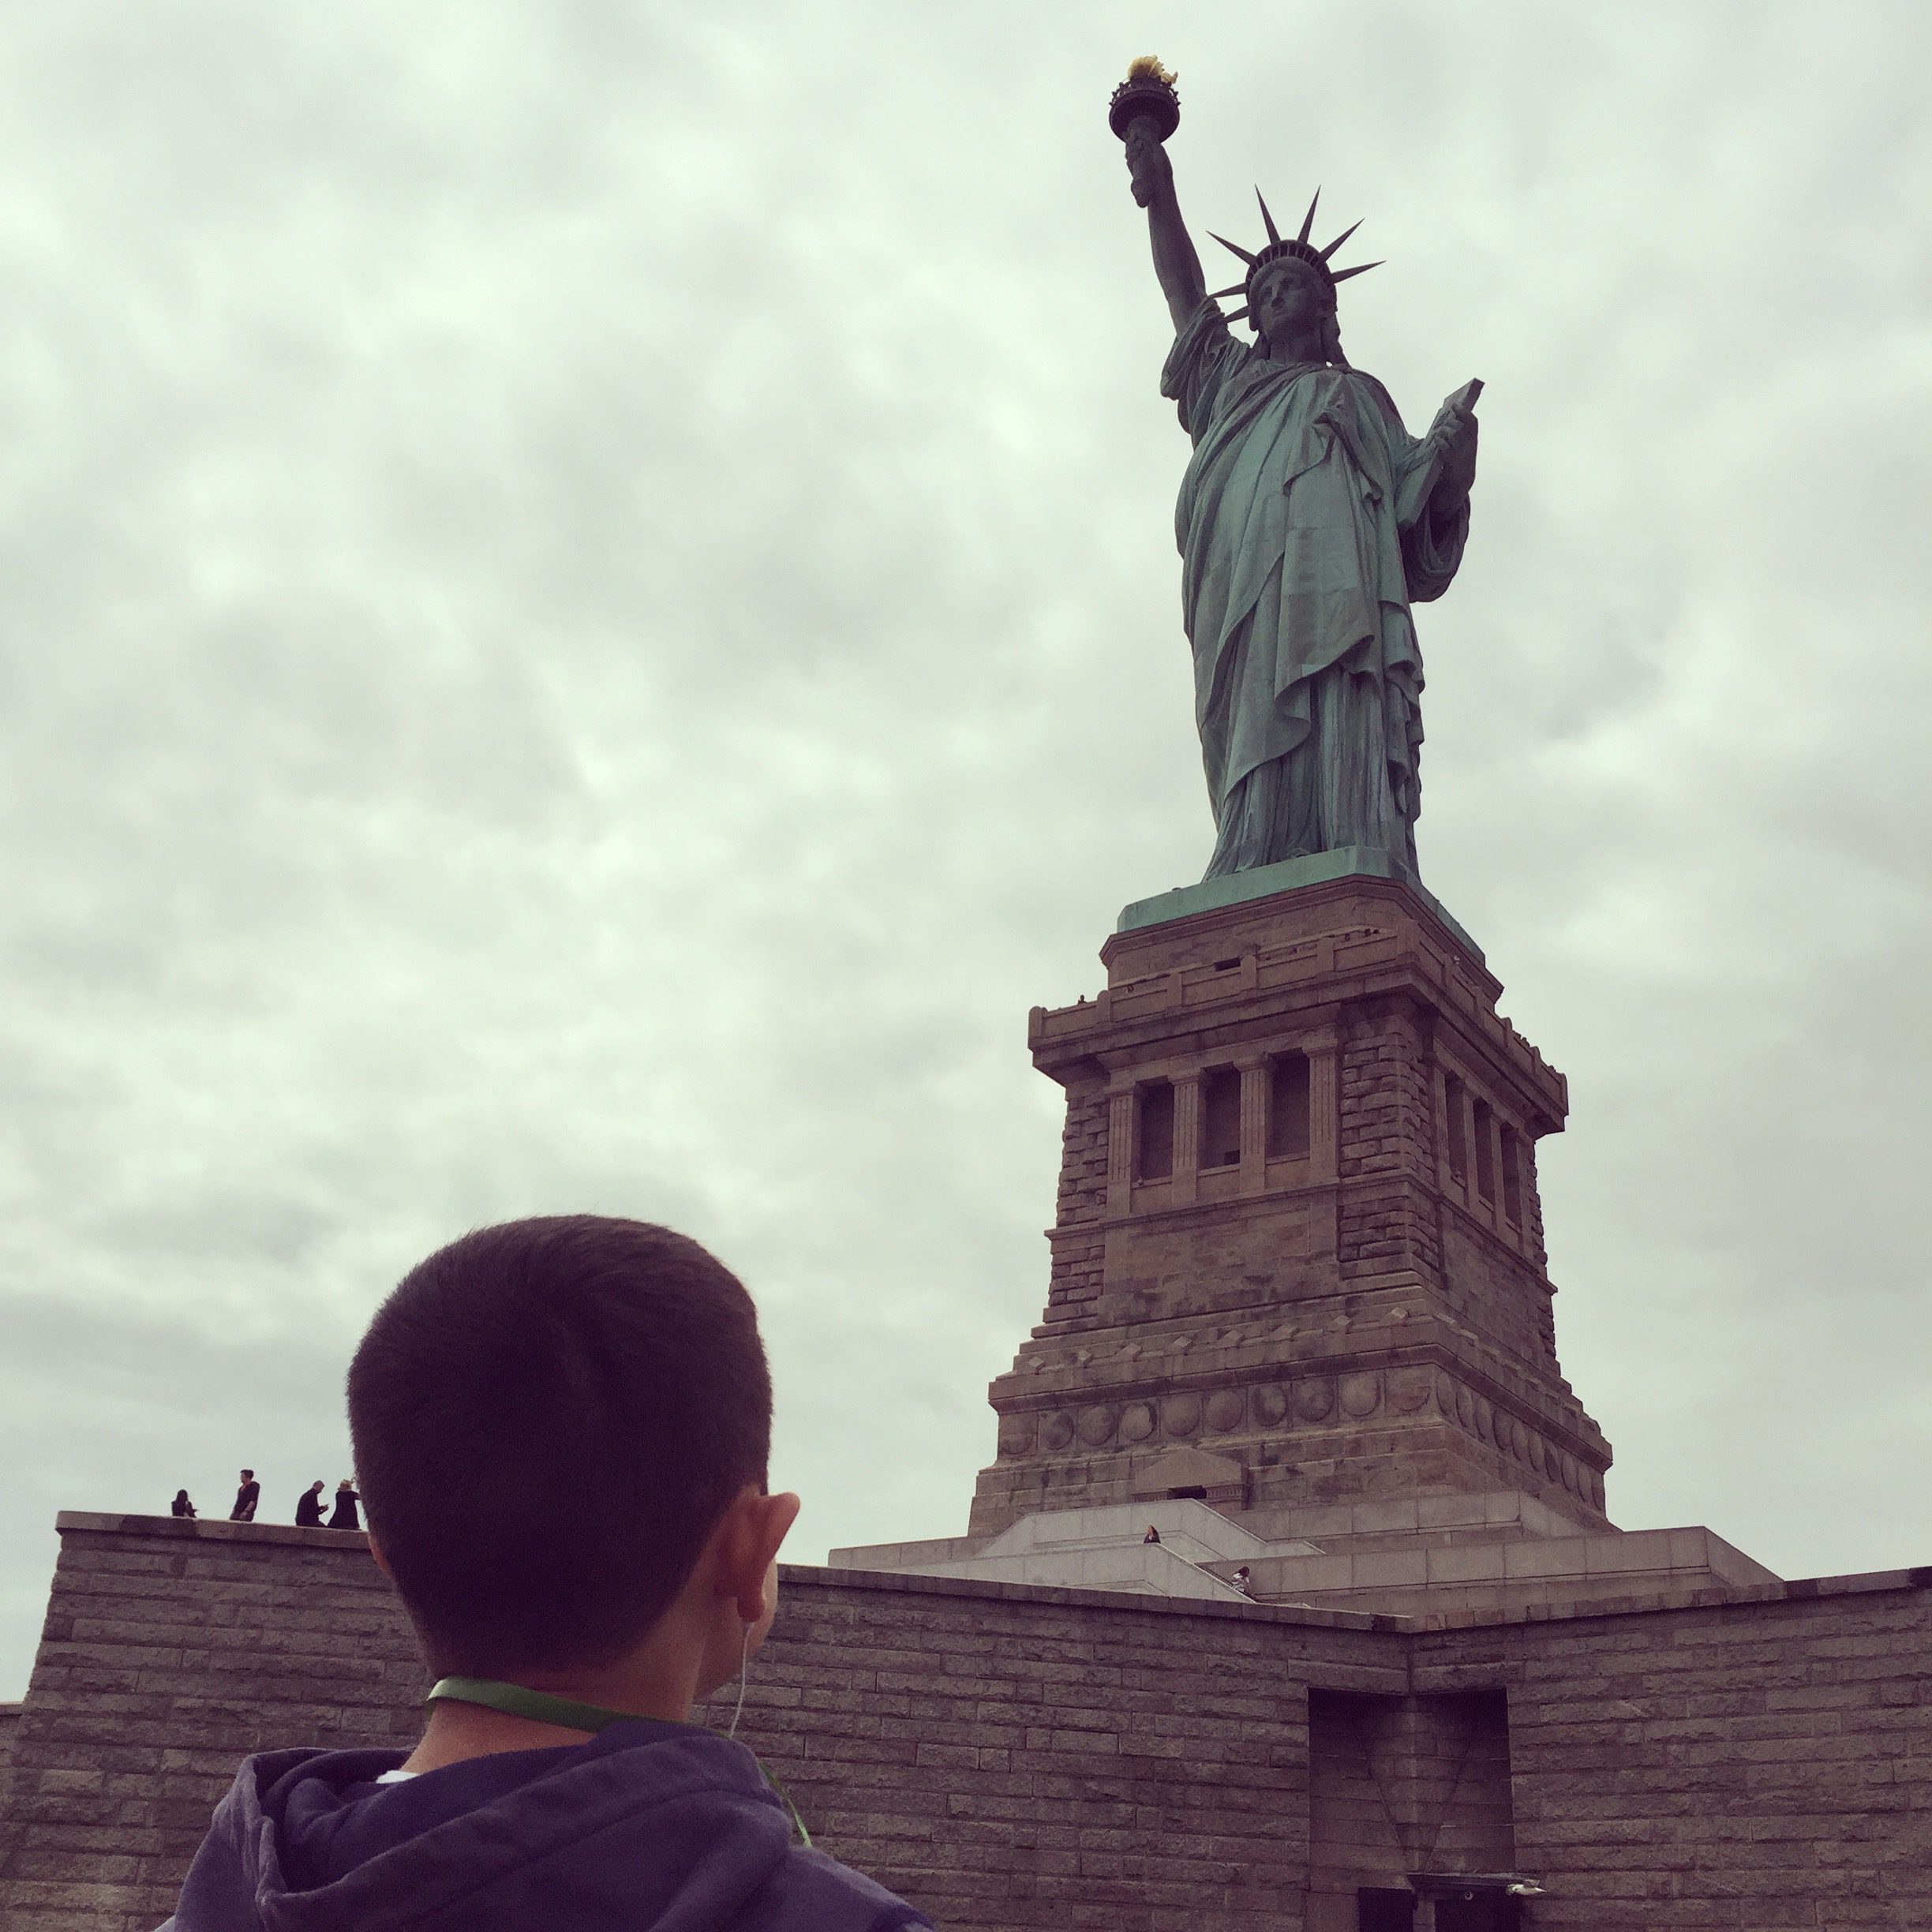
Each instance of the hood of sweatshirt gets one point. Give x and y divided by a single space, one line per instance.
655 1826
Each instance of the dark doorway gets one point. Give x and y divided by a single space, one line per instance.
1381 1908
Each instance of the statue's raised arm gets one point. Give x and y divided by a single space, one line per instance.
1309 522
1144 110
1176 263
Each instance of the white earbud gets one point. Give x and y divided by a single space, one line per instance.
744 1664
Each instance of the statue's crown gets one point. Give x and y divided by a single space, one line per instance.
1298 248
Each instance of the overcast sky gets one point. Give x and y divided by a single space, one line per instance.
588 616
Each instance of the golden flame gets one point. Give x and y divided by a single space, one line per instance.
1148 68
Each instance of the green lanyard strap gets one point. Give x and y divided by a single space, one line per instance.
540 1707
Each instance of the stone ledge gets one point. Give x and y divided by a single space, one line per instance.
1646 1604
1287 875
193 1529
1861 1581
1804 1590
171 1529
1113 1600
1809 1589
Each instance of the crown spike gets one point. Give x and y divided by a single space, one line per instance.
1308 220
1339 239
1234 248
1341 275
1236 314
1240 288
1273 232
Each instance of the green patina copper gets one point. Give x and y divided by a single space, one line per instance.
1310 520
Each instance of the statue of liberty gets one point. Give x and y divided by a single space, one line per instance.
1309 520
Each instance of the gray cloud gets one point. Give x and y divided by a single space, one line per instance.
588 616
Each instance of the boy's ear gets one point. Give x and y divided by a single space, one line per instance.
755 1527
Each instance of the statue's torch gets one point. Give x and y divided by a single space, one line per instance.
1146 95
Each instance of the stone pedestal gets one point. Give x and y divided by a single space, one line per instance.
1298 1258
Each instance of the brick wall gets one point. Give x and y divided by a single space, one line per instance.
1533 1241
1078 1254
1390 1216
1385 1093
1386 1219
1745 1766
1014 1759
1496 1295
171 1650
1009 1758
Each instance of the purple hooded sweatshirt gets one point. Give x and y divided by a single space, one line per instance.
652 1827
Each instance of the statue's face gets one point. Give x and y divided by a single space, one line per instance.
1288 301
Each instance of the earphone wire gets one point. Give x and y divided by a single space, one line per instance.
744 1664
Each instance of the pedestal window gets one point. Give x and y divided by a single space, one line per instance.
1288 1106
1154 1130
1220 1120
1512 1176
1456 1108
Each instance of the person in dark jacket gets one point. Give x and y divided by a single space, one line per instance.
343 1516
182 1506
496 1373
246 1497
308 1506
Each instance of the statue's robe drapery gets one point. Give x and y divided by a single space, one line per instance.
1306 530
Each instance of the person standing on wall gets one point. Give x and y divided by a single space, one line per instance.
246 1497
343 1516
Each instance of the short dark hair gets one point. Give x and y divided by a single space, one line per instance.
548 1419
247 1473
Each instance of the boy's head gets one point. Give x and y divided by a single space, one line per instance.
549 1418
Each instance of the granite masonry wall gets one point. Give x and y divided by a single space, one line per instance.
1758 1765
1495 1293
1078 1244
1014 1759
1386 1112
171 1650
1006 1758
